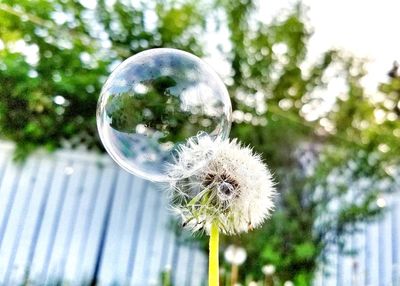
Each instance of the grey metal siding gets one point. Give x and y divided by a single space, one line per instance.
78 218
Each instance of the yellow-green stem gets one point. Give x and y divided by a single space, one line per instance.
213 266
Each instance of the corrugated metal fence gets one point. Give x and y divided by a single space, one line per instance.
371 256
72 218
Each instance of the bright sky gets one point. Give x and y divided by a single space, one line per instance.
364 28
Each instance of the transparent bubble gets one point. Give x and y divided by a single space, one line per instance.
155 101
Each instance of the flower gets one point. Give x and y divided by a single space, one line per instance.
220 181
268 269
235 255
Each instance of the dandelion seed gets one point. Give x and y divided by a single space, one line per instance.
220 181
268 269
235 255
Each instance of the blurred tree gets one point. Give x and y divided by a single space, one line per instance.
56 55
333 157
334 153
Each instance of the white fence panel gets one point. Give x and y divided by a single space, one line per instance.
77 219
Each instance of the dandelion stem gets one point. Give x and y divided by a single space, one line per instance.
213 266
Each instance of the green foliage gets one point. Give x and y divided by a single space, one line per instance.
279 97
74 57
323 199
166 278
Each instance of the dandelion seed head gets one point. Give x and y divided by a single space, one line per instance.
220 180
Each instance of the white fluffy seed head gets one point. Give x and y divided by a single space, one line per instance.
220 180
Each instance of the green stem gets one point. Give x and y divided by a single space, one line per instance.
213 266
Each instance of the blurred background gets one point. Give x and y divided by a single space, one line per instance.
315 88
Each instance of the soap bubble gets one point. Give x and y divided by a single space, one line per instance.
155 101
